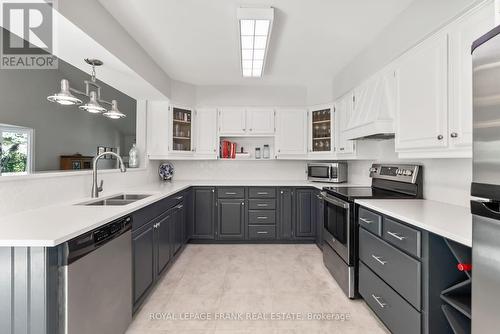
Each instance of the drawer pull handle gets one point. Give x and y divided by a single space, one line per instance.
179 197
261 205
230 193
395 235
378 258
262 232
377 299
262 217
368 221
262 193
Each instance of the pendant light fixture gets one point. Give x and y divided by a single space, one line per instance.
114 113
93 106
92 91
64 97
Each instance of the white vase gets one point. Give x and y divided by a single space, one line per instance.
133 157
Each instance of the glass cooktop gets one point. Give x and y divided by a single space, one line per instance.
351 193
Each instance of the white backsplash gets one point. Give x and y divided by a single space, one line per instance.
27 193
445 180
240 170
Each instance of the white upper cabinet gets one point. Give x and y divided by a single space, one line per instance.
206 133
232 122
246 122
321 131
434 89
291 133
462 33
343 108
421 100
157 128
260 121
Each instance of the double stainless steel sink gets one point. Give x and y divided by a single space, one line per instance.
117 200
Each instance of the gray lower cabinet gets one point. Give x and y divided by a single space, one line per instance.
163 245
305 214
156 243
231 219
143 260
285 213
398 315
203 224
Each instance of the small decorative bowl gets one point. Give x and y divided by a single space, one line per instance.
166 171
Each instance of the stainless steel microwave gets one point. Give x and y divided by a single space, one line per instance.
335 172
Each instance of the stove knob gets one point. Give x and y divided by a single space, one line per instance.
373 170
399 171
408 172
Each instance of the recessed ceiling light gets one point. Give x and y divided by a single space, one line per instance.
255 25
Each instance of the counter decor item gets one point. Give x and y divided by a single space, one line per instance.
133 157
166 171
266 153
257 153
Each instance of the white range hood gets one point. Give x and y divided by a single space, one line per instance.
373 108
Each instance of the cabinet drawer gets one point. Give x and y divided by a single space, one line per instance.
399 270
231 192
261 192
264 232
261 217
402 236
370 221
393 310
262 204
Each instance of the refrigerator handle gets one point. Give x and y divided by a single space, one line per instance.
485 209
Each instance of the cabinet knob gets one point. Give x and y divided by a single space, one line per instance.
440 137
282 192
453 135
242 203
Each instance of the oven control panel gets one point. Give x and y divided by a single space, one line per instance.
395 172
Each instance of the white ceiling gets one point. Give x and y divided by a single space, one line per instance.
196 41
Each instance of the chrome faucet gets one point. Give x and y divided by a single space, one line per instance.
97 189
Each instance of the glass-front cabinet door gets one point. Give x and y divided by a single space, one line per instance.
321 131
182 130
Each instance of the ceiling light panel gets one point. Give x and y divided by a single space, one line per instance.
255 25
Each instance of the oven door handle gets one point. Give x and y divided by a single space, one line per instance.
334 201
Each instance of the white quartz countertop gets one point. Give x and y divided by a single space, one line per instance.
52 225
450 221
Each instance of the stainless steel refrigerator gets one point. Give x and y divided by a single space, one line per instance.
486 184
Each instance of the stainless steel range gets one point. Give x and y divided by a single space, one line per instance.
340 232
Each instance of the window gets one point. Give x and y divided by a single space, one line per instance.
15 150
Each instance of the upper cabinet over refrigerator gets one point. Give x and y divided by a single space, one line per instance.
434 90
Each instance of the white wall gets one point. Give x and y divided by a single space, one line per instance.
240 170
91 17
212 96
416 22
445 180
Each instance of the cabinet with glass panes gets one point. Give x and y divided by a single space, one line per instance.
321 130
181 129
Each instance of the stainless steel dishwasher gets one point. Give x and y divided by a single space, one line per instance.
97 275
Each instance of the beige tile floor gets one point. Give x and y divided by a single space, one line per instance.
251 280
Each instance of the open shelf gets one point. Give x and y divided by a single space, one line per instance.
321 138
460 302
458 322
462 253
182 138
181 121
323 121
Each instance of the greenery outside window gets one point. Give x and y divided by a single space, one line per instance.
16 150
